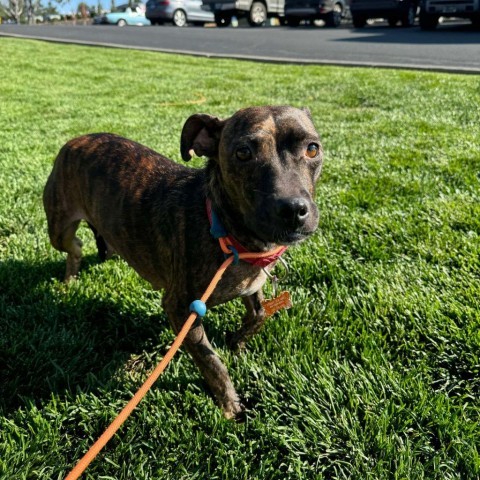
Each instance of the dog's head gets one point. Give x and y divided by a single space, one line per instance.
267 161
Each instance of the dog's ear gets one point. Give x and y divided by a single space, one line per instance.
307 111
201 133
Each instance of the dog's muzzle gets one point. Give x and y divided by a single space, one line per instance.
293 212
291 220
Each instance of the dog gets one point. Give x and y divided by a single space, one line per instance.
259 180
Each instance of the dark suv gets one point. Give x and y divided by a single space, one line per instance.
403 11
330 11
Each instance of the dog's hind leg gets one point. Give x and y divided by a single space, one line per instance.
63 238
105 252
252 322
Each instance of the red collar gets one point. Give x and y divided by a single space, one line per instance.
218 231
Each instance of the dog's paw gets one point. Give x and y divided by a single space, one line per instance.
234 410
235 342
69 279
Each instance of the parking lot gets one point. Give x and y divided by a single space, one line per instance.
451 47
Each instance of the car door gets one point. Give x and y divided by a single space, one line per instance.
196 13
276 6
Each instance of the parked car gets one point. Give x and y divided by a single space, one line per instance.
330 11
53 17
256 11
125 15
431 12
179 12
394 11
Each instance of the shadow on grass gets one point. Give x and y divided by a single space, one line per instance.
57 340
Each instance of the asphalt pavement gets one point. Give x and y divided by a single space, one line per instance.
452 47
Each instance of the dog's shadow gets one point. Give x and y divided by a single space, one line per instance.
57 339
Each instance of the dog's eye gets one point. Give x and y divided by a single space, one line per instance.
244 153
312 150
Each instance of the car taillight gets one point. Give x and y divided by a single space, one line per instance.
164 3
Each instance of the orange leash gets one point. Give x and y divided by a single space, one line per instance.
85 461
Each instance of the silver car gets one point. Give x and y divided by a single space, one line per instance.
179 12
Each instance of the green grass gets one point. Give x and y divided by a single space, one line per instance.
375 371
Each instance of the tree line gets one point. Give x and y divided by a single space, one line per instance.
30 9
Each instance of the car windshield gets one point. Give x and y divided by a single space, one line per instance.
135 7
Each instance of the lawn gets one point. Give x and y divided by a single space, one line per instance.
375 371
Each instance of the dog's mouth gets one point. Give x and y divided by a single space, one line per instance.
284 226
292 238
283 237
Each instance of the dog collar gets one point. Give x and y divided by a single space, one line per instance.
218 231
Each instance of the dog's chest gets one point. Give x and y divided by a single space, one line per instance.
239 281
251 283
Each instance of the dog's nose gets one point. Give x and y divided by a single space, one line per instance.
294 211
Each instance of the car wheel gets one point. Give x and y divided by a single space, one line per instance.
408 19
179 18
121 23
334 18
392 21
292 21
223 20
358 21
427 21
258 14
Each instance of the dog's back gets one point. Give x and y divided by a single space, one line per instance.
115 185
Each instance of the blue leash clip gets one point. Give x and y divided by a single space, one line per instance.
217 230
234 253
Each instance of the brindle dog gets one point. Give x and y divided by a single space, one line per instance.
263 163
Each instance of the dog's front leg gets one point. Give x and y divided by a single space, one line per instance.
251 324
210 365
